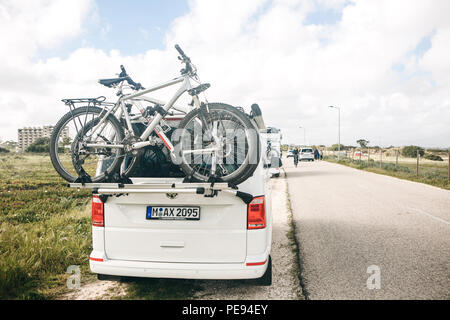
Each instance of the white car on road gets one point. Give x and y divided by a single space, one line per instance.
306 154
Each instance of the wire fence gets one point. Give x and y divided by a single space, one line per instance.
391 161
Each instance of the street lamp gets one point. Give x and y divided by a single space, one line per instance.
304 134
339 131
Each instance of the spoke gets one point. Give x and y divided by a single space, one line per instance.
222 128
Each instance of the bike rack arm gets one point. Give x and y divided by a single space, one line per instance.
193 188
152 190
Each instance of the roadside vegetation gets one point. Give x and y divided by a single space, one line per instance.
434 172
44 228
41 145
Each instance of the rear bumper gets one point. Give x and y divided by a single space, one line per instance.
179 270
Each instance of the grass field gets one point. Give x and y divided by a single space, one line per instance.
45 227
434 173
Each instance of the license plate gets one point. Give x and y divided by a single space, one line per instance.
173 213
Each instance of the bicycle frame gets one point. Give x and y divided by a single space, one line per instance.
154 124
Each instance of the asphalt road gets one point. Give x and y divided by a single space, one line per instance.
348 220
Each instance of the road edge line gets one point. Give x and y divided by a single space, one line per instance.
293 238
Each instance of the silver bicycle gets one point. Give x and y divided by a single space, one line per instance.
100 140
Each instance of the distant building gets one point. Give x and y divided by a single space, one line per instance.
28 135
9 144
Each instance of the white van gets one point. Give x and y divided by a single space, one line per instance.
167 228
271 139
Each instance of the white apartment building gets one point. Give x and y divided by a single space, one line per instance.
28 135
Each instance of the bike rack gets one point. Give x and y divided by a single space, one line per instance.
206 189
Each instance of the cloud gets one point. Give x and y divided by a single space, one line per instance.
264 52
26 26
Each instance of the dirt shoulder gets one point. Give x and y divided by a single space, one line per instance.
98 290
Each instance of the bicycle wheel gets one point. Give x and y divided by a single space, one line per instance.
68 153
222 144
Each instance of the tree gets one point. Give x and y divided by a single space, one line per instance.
411 151
41 145
363 142
335 147
3 150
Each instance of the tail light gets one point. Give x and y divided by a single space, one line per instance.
97 212
256 213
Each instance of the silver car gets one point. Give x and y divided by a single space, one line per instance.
306 154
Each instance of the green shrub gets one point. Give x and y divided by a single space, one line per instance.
41 145
411 151
335 147
433 157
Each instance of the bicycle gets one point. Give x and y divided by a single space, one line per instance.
107 142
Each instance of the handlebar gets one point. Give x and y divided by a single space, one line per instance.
190 68
123 76
181 52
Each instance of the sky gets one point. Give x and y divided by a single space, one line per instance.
383 63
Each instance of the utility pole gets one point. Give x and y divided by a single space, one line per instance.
304 135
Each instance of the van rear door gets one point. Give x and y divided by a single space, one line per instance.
144 226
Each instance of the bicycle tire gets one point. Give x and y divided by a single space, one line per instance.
246 169
57 131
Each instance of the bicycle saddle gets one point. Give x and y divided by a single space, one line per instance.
195 91
111 82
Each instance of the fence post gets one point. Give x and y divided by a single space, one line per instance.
368 156
417 166
396 159
381 157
